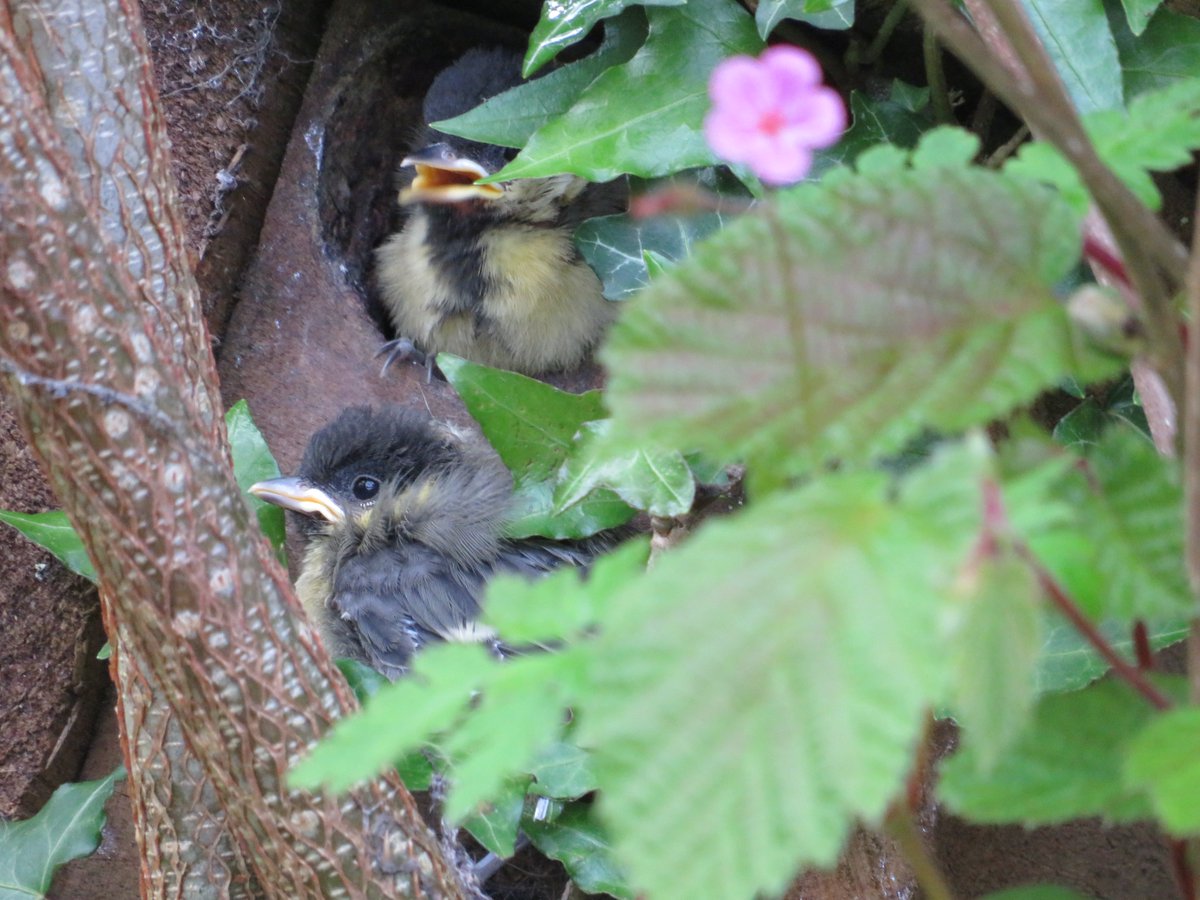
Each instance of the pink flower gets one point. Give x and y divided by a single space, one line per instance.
772 112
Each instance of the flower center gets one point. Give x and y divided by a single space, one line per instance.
772 122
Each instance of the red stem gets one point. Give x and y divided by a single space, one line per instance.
1141 646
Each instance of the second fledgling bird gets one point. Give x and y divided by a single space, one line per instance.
404 523
490 272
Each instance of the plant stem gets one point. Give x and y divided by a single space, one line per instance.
1134 677
935 75
902 826
1190 429
1181 865
886 29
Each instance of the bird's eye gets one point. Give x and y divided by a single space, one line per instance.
365 487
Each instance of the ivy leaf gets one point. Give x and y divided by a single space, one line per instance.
892 120
645 116
1077 38
844 318
55 532
577 841
67 827
994 653
252 461
510 118
615 246
832 16
1164 760
814 677
496 826
659 482
1139 12
1066 765
566 23
1167 52
563 771
533 427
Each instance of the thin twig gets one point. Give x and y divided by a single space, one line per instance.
886 29
935 76
902 826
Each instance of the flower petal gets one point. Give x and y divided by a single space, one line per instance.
791 68
737 84
822 119
783 165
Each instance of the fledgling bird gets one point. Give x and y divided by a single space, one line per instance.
490 272
404 523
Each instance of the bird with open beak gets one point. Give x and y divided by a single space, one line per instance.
489 271
404 521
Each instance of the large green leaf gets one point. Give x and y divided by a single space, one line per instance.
1077 37
832 16
1164 760
845 317
53 531
535 427
511 117
577 841
1067 764
1068 662
1139 12
496 826
252 461
1166 52
772 671
564 771
66 828
645 116
569 21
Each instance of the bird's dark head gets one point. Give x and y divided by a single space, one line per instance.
448 168
363 454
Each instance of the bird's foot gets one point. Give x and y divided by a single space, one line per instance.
399 350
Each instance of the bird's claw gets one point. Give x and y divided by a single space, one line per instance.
402 349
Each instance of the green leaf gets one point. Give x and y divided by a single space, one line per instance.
577 841
496 826
1166 52
398 719
1139 12
994 653
1068 662
844 318
1164 761
1130 513
1067 764
645 116
1036 892
565 23
1082 426
510 118
252 461
53 531
363 680
67 827
563 771
534 429
562 604
891 120
658 482
615 246
775 669
1077 38
832 16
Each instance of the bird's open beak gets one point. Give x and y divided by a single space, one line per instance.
443 177
299 495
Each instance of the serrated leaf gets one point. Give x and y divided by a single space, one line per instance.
1130 511
252 461
1067 764
615 246
533 428
994 653
55 532
565 23
845 318
832 16
1164 761
644 117
1077 38
945 146
577 841
564 771
776 666
1166 52
496 826
562 604
66 828
398 719
658 482
1036 892
509 119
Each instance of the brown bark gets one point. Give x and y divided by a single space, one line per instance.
104 350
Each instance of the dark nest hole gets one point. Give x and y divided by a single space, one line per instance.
374 121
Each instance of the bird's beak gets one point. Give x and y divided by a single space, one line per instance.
299 495
444 177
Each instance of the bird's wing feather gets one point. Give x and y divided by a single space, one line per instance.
401 597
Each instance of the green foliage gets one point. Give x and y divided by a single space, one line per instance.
897 120
66 828
832 15
53 531
1164 760
564 24
579 842
1068 763
1036 892
1077 37
1167 51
